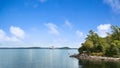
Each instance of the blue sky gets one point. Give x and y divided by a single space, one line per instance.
56 23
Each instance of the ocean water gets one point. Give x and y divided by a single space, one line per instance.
46 58
37 58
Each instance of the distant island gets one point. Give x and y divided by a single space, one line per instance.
36 48
64 48
20 47
101 48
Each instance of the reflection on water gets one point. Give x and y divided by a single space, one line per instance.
90 64
46 58
37 58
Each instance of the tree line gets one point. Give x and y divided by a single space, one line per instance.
107 46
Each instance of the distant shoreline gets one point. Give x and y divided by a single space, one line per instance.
33 48
95 58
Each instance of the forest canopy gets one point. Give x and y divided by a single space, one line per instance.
99 46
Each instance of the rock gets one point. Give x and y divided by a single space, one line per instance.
95 58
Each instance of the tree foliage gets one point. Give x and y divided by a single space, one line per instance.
109 45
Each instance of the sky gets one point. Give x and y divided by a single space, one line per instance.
58 23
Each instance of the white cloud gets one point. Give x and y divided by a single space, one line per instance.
17 34
2 35
13 39
79 33
103 29
33 3
67 23
114 4
52 28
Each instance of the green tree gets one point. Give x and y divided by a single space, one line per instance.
108 46
99 48
115 33
112 50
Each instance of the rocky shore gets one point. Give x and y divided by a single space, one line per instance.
95 58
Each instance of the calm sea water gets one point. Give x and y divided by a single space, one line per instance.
46 58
